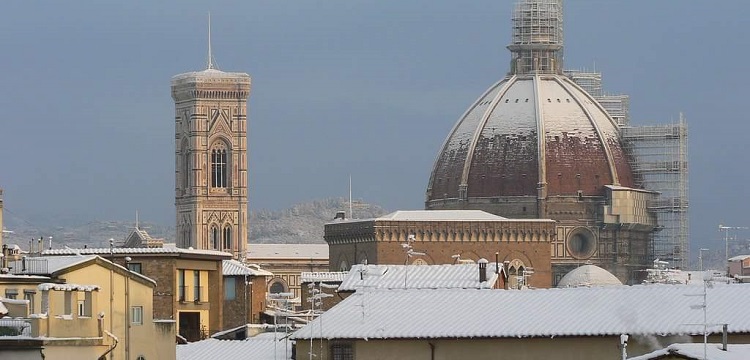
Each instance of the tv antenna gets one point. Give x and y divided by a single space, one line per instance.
409 249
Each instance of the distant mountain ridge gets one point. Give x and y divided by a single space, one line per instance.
301 223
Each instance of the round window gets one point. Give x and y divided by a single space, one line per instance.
277 287
581 244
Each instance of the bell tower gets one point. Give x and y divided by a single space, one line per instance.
211 158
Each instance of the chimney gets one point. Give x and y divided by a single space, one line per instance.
4 260
482 270
506 267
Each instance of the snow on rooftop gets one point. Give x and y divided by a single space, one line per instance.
208 74
460 276
588 275
325 276
288 251
257 348
236 268
53 263
595 311
441 215
135 251
695 351
739 258
67 287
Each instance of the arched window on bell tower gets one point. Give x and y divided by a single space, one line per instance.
219 166
215 237
227 237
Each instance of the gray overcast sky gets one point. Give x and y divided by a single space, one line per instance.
368 88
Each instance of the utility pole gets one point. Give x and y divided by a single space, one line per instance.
726 229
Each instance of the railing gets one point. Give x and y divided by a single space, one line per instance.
182 292
15 327
197 292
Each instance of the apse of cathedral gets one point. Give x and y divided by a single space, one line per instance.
535 145
211 159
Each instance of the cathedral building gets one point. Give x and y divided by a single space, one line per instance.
536 145
211 159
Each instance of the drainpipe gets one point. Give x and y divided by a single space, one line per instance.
432 351
724 335
114 345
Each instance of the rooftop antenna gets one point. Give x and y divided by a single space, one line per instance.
136 219
210 56
351 209
726 229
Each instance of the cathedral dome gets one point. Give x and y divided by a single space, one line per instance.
534 134
588 275
527 131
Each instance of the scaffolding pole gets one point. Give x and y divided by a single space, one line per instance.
659 160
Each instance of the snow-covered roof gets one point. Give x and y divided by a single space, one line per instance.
287 251
208 74
595 311
55 264
739 257
695 351
329 276
441 215
260 347
588 275
67 287
459 276
136 251
236 268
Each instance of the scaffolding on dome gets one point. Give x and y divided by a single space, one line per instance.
617 106
659 162
537 36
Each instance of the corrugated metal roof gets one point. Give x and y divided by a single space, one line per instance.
261 347
135 251
330 276
695 351
288 251
467 313
46 265
236 268
459 276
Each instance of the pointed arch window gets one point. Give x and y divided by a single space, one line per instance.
227 237
219 174
215 237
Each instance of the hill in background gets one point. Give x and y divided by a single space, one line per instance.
301 223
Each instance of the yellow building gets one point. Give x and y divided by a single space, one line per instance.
82 307
189 286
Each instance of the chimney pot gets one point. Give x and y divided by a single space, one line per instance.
482 270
